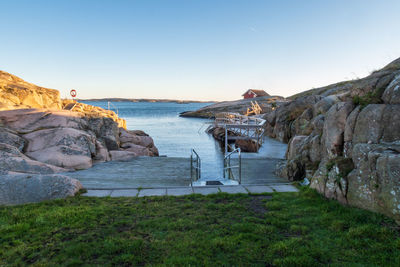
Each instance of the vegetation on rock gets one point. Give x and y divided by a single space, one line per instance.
369 98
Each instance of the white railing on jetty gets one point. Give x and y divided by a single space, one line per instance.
241 127
236 119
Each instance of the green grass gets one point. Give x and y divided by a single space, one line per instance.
369 98
285 229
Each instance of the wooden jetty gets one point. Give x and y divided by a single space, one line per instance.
240 127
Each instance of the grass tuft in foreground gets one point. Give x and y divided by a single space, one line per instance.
285 229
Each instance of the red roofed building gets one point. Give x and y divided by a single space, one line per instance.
251 93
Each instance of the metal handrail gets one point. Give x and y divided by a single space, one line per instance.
228 168
112 105
195 169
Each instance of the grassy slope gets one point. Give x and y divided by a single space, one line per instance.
288 229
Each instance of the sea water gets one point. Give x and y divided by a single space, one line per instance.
175 136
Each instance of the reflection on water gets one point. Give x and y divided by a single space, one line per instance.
175 136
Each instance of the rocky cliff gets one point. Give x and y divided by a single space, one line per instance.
40 134
345 138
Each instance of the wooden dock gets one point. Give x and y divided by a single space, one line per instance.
240 127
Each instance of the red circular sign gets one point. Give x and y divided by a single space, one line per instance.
73 93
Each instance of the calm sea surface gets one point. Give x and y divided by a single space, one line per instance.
175 136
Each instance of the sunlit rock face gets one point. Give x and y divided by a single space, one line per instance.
54 135
42 134
17 93
345 138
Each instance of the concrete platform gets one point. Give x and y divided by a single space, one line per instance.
182 191
153 192
146 172
257 171
159 172
258 189
187 190
98 193
125 193
284 188
205 190
233 189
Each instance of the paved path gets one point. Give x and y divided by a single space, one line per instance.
187 190
259 171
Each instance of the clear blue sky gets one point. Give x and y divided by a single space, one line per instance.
205 49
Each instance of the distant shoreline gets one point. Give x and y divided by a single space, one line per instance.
146 100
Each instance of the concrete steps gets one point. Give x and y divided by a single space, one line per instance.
187 190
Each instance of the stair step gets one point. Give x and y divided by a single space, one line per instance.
213 183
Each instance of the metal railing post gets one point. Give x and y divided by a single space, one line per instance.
229 164
199 169
226 140
223 170
228 168
191 169
240 167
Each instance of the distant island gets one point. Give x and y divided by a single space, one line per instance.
146 100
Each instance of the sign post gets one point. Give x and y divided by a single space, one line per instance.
73 93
